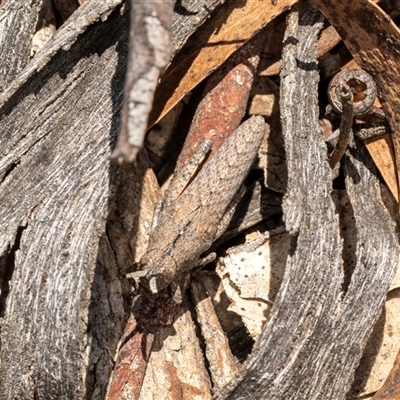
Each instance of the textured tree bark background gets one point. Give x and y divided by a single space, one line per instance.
71 220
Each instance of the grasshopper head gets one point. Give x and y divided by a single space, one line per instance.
160 269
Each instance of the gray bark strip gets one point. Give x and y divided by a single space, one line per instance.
149 53
188 16
282 365
17 25
151 48
58 124
377 257
86 15
315 337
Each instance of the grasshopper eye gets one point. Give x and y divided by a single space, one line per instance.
160 270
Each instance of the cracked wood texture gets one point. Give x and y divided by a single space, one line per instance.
63 312
63 306
318 328
64 242
188 16
17 22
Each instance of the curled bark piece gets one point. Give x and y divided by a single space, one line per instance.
362 87
372 38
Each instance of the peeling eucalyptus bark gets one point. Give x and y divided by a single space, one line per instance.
63 305
149 53
188 16
65 310
17 25
282 361
316 334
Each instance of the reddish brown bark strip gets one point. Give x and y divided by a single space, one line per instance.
127 380
225 101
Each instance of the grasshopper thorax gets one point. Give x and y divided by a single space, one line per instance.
160 270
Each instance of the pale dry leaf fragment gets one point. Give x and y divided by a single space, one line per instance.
396 280
382 152
251 275
264 97
212 283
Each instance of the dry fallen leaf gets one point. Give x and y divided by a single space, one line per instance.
230 27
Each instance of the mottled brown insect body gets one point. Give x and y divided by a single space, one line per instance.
191 222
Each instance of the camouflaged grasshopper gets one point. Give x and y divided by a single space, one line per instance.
192 217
